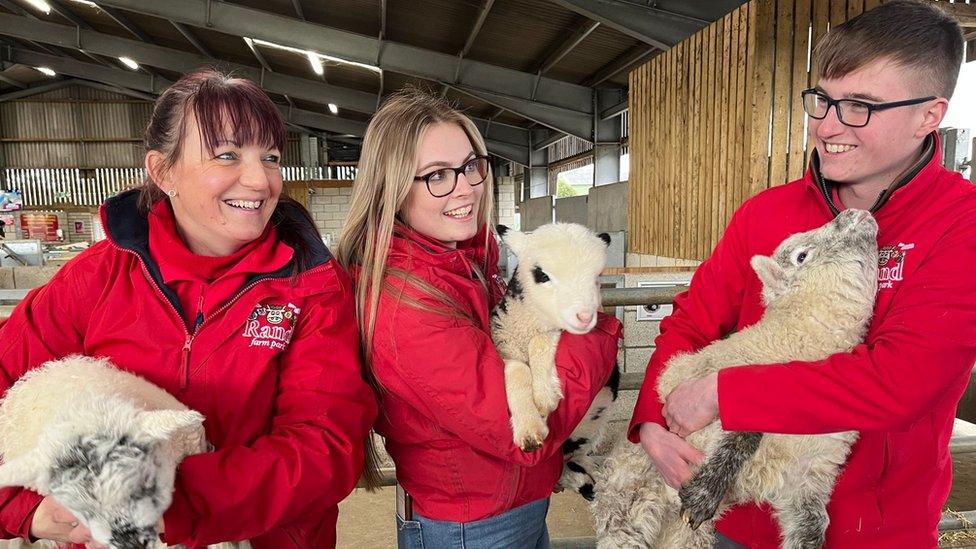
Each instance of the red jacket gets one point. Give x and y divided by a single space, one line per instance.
275 370
444 411
899 389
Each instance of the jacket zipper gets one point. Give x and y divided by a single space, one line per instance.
199 321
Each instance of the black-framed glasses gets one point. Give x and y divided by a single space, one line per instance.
850 112
442 182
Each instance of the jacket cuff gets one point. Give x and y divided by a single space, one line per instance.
178 522
26 503
644 412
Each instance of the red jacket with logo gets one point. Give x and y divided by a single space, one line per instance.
275 370
899 388
444 411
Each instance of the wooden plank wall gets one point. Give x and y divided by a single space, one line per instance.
707 115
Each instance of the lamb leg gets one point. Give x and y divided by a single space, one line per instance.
702 495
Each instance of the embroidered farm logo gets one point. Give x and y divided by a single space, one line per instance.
891 264
271 325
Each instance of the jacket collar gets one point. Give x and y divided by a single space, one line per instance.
128 228
480 250
899 193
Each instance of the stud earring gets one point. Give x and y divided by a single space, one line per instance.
171 193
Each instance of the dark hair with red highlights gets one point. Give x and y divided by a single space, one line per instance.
218 101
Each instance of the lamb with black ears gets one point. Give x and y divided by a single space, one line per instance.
555 288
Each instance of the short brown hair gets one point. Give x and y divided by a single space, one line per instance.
914 34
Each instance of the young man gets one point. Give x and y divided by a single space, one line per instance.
886 79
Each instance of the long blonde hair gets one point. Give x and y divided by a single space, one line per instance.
387 166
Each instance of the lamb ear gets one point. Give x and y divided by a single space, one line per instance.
770 274
605 238
163 424
23 471
513 238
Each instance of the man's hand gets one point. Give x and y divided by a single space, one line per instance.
53 522
672 456
692 405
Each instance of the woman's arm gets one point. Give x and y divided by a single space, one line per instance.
451 373
47 325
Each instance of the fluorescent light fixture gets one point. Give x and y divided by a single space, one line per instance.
46 71
129 63
316 63
321 56
40 5
333 108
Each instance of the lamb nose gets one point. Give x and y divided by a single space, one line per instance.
585 318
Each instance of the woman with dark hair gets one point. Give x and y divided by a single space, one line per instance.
215 287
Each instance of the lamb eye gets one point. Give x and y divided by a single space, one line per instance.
539 275
801 257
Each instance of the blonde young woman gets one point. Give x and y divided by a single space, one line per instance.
424 262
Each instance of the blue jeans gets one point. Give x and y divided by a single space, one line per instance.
520 528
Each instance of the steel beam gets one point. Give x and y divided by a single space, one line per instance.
567 46
12 82
71 67
628 59
505 140
36 89
473 35
192 39
564 120
127 24
180 61
400 58
298 9
659 28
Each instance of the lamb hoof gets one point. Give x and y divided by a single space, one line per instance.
530 431
530 444
697 505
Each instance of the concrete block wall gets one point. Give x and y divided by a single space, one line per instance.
329 207
505 201
85 235
536 212
572 209
607 208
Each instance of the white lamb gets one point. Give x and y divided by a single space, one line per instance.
103 442
555 287
819 290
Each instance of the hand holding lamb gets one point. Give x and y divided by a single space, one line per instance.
104 443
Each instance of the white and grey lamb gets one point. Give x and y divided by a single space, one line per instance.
555 288
104 443
819 289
